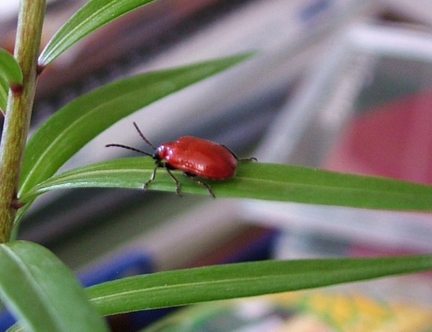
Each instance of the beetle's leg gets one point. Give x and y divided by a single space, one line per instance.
194 178
236 157
247 159
152 177
177 183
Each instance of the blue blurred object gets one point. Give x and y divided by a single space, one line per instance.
123 265
259 248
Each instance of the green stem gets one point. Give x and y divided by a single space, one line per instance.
18 111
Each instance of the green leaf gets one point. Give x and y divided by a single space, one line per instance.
10 74
254 180
73 126
9 68
42 292
180 287
4 91
94 14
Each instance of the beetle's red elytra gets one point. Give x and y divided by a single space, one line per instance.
195 157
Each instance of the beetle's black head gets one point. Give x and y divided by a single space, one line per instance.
157 158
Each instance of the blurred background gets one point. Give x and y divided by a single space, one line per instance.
339 84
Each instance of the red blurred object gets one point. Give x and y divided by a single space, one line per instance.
393 139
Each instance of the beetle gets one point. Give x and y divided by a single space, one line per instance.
196 157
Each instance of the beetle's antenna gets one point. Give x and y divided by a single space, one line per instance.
129 148
142 136
132 148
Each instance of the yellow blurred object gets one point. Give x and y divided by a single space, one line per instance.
351 312
306 311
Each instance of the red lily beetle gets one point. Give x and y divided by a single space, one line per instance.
196 157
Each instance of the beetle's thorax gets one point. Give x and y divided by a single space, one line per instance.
163 152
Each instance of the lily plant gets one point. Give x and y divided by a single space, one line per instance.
43 294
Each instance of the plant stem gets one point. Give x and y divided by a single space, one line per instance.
18 111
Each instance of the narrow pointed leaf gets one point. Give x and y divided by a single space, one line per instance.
73 126
180 287
254 180
88 18
9 68
42 292
10 74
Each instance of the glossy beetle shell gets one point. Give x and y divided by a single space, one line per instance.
197 156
